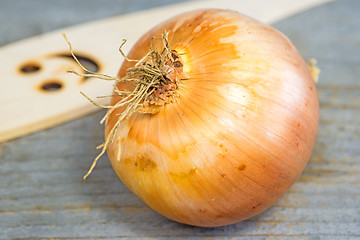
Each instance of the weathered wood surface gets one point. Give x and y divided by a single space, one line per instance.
42 195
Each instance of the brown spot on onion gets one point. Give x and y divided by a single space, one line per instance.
145 163
242 167
183 175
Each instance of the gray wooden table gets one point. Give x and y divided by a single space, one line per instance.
42 195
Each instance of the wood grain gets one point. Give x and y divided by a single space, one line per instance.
42 195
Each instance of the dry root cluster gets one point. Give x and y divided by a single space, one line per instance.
153 80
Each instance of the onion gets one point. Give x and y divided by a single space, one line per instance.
228 127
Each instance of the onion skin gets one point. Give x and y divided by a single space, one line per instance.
240 132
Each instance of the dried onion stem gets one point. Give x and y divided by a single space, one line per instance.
149 74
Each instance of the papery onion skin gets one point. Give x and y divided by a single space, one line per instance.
240 132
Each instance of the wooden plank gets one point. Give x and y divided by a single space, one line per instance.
42 195
33 66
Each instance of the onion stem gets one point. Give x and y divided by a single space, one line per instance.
149 80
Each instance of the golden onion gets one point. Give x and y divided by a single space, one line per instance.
234 131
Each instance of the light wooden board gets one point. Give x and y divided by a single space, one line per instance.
26 107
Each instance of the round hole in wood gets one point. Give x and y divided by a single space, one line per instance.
30 68
51 86
87 62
